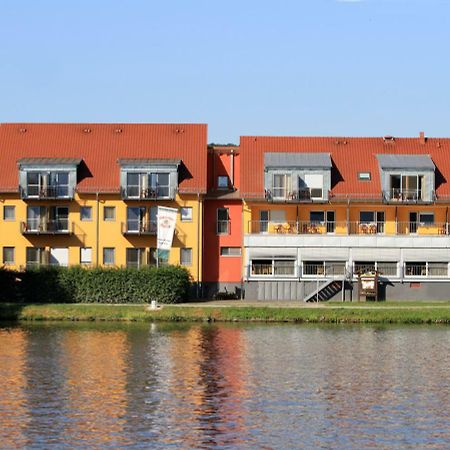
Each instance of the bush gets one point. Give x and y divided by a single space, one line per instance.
168 284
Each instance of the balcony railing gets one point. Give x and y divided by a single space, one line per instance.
348 228
135 193
406 195
297 196
40 226
139 227
46 193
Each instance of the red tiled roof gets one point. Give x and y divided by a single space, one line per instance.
349 155
100 146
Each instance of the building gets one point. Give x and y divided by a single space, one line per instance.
88 193
273 218
222 260
319 210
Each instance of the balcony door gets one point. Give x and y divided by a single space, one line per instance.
135 219
33 218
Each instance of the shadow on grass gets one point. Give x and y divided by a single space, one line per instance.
10 311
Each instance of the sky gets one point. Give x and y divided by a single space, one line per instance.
294 67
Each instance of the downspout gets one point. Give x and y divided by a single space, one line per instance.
446 220
199 217
232 168
97 231
348 216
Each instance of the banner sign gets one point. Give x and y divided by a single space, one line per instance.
166 219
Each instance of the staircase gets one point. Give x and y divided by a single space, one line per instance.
325 291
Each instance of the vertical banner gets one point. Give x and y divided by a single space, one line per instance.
166 219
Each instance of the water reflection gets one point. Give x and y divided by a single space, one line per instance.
13 408
182 386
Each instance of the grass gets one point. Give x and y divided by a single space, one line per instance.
398 312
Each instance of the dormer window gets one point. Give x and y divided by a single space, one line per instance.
47 178
297 177
407 178
149 179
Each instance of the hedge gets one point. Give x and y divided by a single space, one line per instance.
169 284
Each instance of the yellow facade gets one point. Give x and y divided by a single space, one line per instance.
98 233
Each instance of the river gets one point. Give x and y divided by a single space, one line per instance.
75 385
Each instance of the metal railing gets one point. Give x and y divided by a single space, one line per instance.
351 228
299 195
423 228
139 227
41 226
47 192
404 195
135 193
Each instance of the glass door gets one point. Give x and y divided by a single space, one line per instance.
331 222
413 222
263 221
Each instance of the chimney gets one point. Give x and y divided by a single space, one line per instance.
422 138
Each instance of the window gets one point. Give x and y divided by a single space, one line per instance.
314 181
223 222
108 256
273 267
48 184
9 213
387 268
222 182
186 256
416 269
86 213
230 251
281 185
364 176
186 214
426 218
406 187
317 216
135 257
162 255
371 222
278 216
109 213
85 255
437 269
323 268
159 183
364 266
136 220
35 256
137 185
262 267
8 255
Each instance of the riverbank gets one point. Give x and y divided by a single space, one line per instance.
386 312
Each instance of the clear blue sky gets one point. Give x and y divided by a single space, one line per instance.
295 67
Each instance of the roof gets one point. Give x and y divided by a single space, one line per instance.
405 162
149 162
300 160
349 156
100 146
50 161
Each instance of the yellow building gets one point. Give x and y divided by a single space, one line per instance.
87 194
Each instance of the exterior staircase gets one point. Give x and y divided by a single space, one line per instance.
325 291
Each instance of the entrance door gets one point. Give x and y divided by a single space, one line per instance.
263 221
59 257
413 222
331 222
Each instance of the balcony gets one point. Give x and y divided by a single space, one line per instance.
46 193
158 193
132 227
349 228
305 195
46 227
398 195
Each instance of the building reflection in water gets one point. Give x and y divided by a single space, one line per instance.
13 407
208 381
96 382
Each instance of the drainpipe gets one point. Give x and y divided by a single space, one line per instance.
97 230
232 168
446 220
396 220
199 217
348 216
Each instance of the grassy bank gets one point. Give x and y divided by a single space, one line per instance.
330 313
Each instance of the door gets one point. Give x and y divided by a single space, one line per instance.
380 221
263 221
331 222
133 220
33 218
61 219
59 257
413 222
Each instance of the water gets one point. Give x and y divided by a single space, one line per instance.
208 386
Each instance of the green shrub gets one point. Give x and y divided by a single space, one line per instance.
169 284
